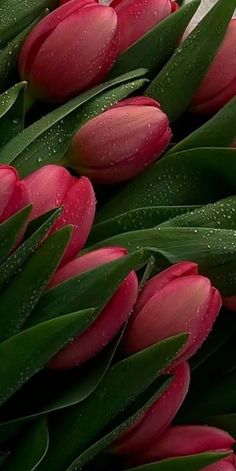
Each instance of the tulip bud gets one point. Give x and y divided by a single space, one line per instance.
177 300
219 84
111 319
52 186
136 17
14 194
70 50
119 143
183 440
153 423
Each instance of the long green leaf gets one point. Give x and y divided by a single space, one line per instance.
11 112
16 15
219 131
188 463
73 431
21 295
14 262
176 84
47 140
30 449
196 176
9 55
10 231
140 218
75 293
26 353
156 46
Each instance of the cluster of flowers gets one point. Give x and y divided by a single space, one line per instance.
176 300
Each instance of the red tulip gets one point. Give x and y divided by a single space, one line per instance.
119 143
219 85
111 319
52 186
136 17
220 466
158 417
177 300
182 440
14 194
70 50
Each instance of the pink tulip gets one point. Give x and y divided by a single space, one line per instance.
149 428
14 194
111 319
220 466
121 142
219 85
136 17
52 186
183 440
177 300
70 50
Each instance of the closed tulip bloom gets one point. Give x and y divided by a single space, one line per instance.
219 84
70 50
109 321
51 187
136 17
14 194
121 142
158 417
183 440
177 300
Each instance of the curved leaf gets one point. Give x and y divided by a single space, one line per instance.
157 45
47 140
22 294
191 177
11 112
125 381
30 448
26 353
188 463
10 231
192 60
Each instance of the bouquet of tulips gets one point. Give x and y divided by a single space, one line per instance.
117 235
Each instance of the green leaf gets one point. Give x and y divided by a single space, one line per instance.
156 46
171 88
26 353
223 276
47 140
126 420
11 112
188 463
14 262
192 177
30 448
125 381
140 218
221 214
15 16
22 294
9 55
59 390
10 231
75 293
219 131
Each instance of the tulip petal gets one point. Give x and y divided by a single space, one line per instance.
101 332
158 417
220 466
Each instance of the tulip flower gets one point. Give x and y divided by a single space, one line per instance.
14 194
52 186
136 17
70 50
121 142
149 428
220 466
177 300
110 320
183 440
219 84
